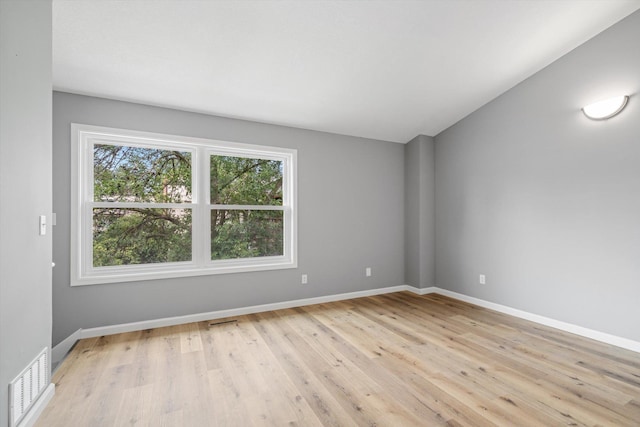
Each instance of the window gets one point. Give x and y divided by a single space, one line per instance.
147 206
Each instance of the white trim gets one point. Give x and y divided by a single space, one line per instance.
563 326
38 407
423 291
249 207
83 138
128 205
212 315
167 140
63 347
60 351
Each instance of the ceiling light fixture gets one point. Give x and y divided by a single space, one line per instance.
606 108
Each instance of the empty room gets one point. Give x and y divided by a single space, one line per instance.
319 213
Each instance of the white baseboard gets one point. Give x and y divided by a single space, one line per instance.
199 317
423 291
563 326
60 350
32 416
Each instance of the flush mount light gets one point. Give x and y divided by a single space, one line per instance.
606 108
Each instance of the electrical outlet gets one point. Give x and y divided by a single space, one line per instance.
304 280
367 272
482 279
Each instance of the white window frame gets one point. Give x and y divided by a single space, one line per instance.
83 137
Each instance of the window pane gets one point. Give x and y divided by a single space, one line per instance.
140 236
242 181
136 174
246 233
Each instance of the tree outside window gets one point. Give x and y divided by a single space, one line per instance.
147 208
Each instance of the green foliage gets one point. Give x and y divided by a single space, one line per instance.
141 236
136 174
125 235
244 181
245 233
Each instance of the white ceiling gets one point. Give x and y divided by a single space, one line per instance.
379 69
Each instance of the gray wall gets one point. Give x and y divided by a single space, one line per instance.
419 187
25 187
527 191
545 202
350 204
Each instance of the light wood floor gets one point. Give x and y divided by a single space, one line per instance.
392 360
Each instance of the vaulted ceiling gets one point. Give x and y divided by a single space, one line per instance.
379 69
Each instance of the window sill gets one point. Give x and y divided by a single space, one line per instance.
142 273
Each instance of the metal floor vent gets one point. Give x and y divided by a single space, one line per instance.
25 389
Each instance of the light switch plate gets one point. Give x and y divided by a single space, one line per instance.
43 225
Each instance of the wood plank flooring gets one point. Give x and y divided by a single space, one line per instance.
391 360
